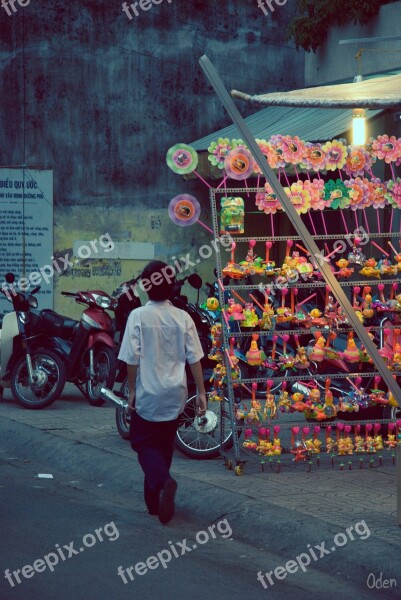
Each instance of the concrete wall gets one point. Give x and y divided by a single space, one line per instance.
336 63
100 98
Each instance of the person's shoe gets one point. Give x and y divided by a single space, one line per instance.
167 506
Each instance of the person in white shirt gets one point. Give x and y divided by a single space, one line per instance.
158 342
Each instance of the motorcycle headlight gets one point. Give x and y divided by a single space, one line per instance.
103 301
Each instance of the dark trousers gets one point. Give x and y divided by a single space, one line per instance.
154 443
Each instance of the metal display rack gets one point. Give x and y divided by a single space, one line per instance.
237 455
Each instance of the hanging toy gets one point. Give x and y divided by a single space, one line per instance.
367 310
378 439
347 441
330 443
351 353
301 360
359 441
277 449
297 447
317 353
391 442
284 401
251 319
377 395
254 415
249 442
270 265
234 311
232 269
369 441
216 335
286 360
265 445
270 409
344 270
252 264
232 215
270 361
356 256
328 408
268 321
370 268
254 356
217 380
283 312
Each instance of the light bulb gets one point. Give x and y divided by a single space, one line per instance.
358 127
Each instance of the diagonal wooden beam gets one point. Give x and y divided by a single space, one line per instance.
218 86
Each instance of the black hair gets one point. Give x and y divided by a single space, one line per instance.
158 279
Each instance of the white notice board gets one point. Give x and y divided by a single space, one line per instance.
26 230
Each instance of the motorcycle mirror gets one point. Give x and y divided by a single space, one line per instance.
36 289
10 277
195 281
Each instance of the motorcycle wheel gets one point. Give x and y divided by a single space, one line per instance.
49 372
122 417
104 361
203 445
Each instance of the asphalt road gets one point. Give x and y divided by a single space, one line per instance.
79 533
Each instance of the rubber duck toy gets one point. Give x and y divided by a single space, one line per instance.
344 271
370 269
351 353
297 402
255 356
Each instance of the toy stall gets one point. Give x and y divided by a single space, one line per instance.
295 384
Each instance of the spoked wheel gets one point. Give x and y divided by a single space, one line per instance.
202 441
104 363
48 380
122 416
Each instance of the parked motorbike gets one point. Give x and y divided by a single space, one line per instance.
86 346
196 439
35 373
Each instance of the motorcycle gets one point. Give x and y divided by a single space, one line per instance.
195 438
35 373
86 346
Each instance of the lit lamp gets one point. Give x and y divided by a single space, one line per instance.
358 127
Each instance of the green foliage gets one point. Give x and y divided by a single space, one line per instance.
310 26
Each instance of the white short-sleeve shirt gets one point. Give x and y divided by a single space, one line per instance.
160 339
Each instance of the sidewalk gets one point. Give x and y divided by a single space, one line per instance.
285 511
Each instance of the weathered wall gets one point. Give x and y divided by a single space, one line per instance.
99 99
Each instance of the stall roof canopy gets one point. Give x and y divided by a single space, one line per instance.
309 124
375 93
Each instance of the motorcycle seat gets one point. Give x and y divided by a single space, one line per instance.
55 324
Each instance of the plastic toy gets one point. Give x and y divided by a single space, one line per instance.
317 353
232 215
351 353
270 409
301 360
344 271
370 269
254 356
250 317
